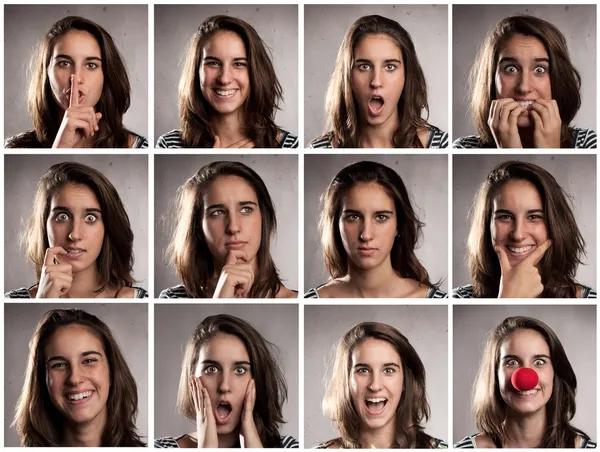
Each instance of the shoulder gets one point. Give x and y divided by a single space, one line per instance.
584 138
584 442
138 141
23 292
166 442
437 138
289 442
437 443
322 291
23 140
170 140
323 142
287 140
467 442
312 293
463 292
175 292
588 292
435 292
284 292
138 292
331 444
470 141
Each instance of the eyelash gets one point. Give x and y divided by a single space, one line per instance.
61 365
508 71
220 212
64 64
210 370
90 217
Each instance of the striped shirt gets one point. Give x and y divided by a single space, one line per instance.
433 292
23 292
28 140
335 444
172 140
467 292
168 442
583 139
437 139
469 443
175 292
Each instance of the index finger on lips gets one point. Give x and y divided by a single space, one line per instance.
538 253
51 253
74 97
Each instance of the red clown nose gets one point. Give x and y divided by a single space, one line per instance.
524 379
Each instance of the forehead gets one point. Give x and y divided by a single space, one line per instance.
224 348
524 342
75 195
375 351
72 340
229 188
523 47
75 42
224 44
518 193
377 46
367 195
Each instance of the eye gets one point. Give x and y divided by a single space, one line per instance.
61 217
539 362
247 209
389 370
536 217
91 218
90 360
58 365
92 65
511 69
239 64
363 67
381 218
503 217
352 217
216 213
362 370
540 70
511 362
390 67
212 63
211 370
63 63
240 370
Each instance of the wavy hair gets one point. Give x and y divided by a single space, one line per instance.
340 104
271 389
564 78
114 100
40 423
558 267
489 407
195 113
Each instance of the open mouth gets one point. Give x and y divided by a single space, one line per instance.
375 405
223 412
225 93
520 249
376 105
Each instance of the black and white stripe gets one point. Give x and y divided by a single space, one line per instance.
469 443
434 292
583 139
467 292
168 442
437 139
23 292
175 292
172 140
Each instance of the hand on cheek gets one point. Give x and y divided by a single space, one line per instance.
522 280
249 433
206 425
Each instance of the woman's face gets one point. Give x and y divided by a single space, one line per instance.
77 375
376 382
523 74
377 79
518 221
368 224
232 218
224 76
76 52
525 348
75 223
224 368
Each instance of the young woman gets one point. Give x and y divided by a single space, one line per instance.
377 92
229 92
79 91
376 395
232 387
525 92
540 417
524 241
369 233
78 390
221 244
79 238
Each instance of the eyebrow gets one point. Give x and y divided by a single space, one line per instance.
62 358
496 212
88 209
67 57
216 363
209 57
389 60
515 60
534 356
241 203
378 212
384 365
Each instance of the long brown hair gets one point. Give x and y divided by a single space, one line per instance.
195 112
341 105
413 407
39 422
559 265
489 407
188 249
114 100
271 389
564 78
402 255
115 261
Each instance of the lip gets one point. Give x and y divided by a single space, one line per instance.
520 251
226 419
371 412
235 244
71 255
81 401
225 94
372 110
366 251
525 395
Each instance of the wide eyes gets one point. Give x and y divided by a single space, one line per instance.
61 217
364 67
512 69
212 369
516 363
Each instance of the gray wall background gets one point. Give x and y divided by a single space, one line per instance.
129 175
576 174
24 26
128 323
576 329
174 26
426 179
426 327
324 30
279 173
576 22
173 325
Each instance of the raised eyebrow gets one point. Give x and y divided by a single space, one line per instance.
242 363
542 356
211 362
361 365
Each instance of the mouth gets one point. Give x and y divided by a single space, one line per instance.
223 412
235 245
376 105
78 397
225 93
74 253
366 251
528 393
375 405
520 251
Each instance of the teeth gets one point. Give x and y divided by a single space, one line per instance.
523 249
530 392
74 251
81 395
525 103
225 93
376 400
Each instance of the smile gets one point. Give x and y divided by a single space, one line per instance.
225 93
375 405
80 396
520 250
527 393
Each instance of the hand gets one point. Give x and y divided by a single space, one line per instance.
523 280
243 143
206 425
249 437
503 123
546 118
236 277
56 278
79 122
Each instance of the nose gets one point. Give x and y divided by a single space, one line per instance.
366 233
518 232
224 77
224 384
234 226
376 81
375 383
75 233
75 376
524 83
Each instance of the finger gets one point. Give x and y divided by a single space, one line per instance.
217 142
514 116
503 258
538 253
64 269
51 253
98 118
543 110
207 404
236 257
74 97
507 109
537 120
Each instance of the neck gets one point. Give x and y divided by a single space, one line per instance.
85 283
380 135
228 128
379 438
525 431
85 435
375 282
